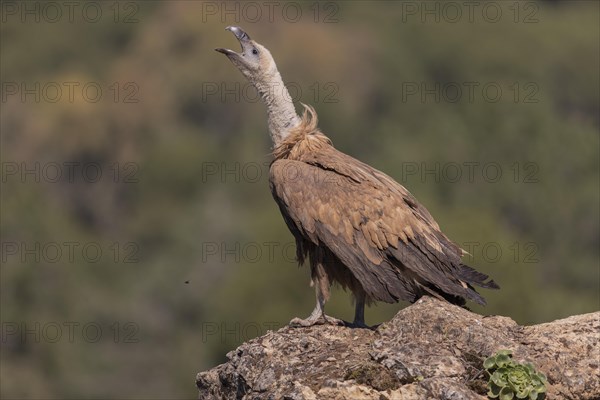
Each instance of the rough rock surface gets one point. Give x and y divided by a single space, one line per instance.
429 350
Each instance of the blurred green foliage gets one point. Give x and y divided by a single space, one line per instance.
177 214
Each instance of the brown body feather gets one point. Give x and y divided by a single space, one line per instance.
360 228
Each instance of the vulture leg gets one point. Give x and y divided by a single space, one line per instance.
359 310
318 317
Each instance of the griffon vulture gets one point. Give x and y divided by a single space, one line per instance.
356 225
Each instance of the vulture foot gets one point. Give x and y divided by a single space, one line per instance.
360 325
315 320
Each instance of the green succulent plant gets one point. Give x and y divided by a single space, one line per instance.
509 379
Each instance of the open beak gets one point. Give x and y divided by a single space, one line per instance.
241 36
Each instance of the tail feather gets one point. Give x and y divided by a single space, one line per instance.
441 295
470 275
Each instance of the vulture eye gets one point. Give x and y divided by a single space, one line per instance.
254 51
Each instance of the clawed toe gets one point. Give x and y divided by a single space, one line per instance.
360 325
327 320
321 320
333 321
299 322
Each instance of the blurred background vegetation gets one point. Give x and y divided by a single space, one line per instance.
195 255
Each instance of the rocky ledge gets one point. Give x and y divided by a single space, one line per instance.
429 350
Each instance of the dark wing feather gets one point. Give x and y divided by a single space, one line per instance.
373 225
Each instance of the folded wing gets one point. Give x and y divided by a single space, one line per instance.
374 226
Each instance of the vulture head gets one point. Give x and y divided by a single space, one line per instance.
254 61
